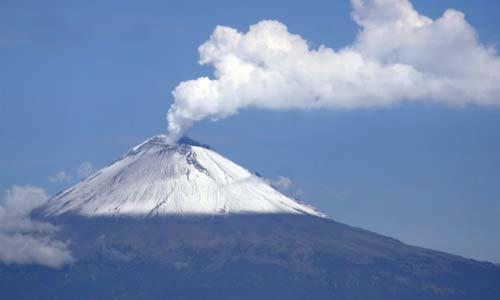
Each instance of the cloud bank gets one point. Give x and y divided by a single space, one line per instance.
398 56
24 241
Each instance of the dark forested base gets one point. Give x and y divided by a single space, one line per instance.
245 257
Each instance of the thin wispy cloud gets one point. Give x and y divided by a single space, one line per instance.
27 241
83 171
399 55
282 183
60 177
286 185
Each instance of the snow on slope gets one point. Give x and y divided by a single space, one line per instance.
155 178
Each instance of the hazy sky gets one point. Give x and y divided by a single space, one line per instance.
81 82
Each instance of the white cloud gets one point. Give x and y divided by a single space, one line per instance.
398 56
282 183
86 169
60 177
23 240
83 171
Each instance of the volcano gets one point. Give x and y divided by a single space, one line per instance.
155 178
183 222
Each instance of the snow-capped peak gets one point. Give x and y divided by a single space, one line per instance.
157 178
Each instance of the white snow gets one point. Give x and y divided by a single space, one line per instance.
155 178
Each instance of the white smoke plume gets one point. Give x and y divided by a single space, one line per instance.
398 56
23 240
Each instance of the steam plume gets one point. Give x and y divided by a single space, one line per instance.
398 56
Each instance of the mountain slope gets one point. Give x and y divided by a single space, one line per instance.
155 178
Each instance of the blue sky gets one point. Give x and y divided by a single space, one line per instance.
83 82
